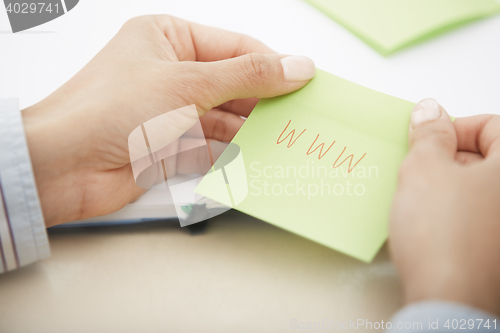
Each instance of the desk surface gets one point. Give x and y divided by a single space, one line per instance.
241 275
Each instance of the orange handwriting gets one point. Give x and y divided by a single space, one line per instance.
292 133
322 145
321 154
351 157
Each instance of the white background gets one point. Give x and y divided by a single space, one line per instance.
461 69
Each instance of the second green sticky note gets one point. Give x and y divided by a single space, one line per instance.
390 25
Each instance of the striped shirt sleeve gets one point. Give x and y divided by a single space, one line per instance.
23 237
440 317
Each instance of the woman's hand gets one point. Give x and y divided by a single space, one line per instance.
78 135
445 225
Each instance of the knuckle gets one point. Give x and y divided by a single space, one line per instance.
164 21
244 42
433 140
164 17
434 132
421 151
195 84
219 128
257 68
444 133
138 20
202 164
150 21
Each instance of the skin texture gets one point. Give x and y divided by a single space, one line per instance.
445 220
78 135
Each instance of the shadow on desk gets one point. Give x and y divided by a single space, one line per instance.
240 275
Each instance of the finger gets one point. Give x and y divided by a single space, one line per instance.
479 134
192 156
198 160
251 75
195 42
214 44
431 132
220 125
241 107
467 158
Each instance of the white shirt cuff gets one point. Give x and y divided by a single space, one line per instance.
440 316
23 237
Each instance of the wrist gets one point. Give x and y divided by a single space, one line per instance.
464 286
50 168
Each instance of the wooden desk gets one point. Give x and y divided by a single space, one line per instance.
242 275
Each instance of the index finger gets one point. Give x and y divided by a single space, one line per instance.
479 134
196 42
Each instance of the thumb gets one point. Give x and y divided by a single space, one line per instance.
254 75
431 131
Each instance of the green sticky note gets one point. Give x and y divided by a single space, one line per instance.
390 25
338 194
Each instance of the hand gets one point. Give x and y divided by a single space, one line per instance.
78 135
445 221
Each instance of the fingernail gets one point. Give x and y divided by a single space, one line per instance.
298 68
425 110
